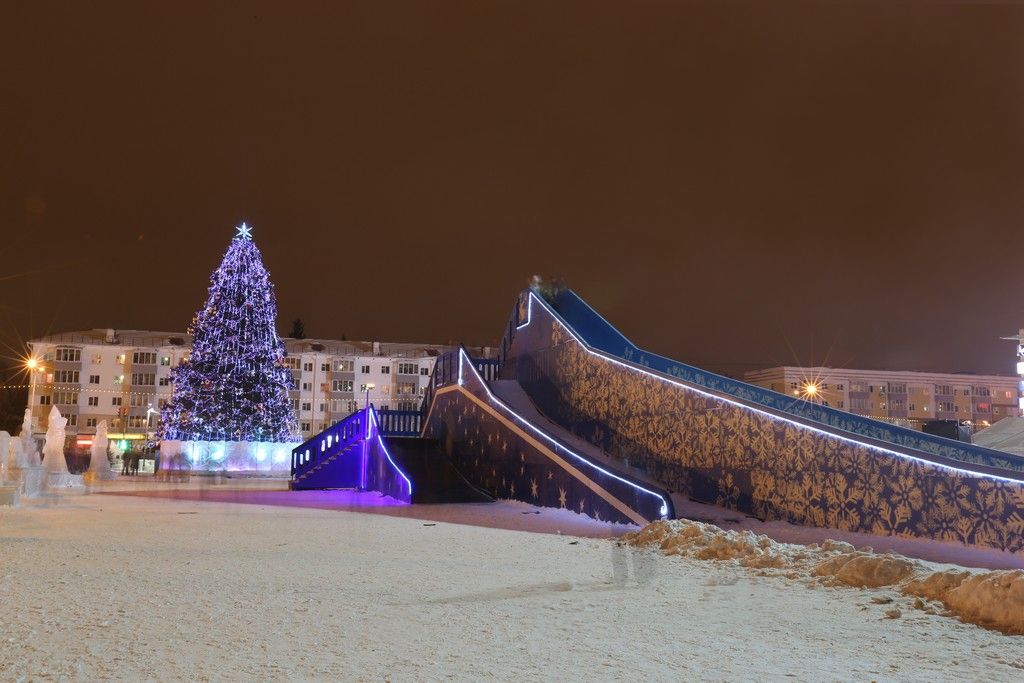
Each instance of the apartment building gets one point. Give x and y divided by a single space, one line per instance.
332 378
123 377
906 398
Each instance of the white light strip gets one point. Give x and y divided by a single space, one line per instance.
529 312
818 430
373 421
536 430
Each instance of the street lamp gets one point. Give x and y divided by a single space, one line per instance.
810 390
31 365
149 434
369 386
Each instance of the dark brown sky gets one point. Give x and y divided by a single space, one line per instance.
733 185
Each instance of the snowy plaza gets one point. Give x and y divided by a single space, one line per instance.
573 505
149 582
561 508
561 341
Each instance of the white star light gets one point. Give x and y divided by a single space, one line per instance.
244 232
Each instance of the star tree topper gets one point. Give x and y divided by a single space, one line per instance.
244 232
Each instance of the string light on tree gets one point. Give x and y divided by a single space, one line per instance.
234 384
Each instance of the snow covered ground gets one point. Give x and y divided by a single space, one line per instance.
129 587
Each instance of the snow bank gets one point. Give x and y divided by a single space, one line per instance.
709 542
992 599
865 569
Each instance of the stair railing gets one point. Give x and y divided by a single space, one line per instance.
328 442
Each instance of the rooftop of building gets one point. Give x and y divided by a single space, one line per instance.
109 337
336 347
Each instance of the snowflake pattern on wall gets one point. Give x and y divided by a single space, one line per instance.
740 458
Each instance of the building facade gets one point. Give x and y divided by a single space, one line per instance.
908 399
123 377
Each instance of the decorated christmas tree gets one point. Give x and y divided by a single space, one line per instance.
234 385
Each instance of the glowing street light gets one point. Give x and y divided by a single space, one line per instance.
810 390
31 365
369 386
149 432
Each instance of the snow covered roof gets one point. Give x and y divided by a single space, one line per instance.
363 348
154 339
117 338
1005 435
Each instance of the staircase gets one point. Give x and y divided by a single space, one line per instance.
333 459
338 470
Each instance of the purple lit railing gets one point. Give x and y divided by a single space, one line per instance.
328 442
350 454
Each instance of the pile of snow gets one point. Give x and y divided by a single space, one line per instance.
992 599
709 542
865 569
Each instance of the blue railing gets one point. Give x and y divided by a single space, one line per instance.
368 467
446 370
399 422
489 368
599 334
516 318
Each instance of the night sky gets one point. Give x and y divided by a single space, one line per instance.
733 185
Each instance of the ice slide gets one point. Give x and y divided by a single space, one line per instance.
574 415
732 444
